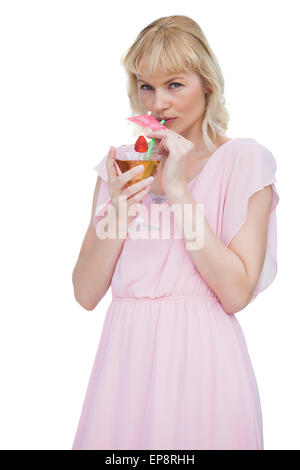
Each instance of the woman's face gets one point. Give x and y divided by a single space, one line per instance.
183 98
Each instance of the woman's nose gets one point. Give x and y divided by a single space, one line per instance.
161 101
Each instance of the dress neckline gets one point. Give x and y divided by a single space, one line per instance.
200 172
210 158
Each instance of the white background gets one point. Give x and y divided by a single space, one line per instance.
63 103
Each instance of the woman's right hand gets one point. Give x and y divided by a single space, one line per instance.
117 185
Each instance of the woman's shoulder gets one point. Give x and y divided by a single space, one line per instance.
247 150
247 160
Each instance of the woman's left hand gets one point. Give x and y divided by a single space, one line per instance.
176 149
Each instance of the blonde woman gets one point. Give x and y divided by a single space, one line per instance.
172 370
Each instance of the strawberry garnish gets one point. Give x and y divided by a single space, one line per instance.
141 145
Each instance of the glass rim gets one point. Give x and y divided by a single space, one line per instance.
137 155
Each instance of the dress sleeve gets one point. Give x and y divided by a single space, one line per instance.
252 168
104 199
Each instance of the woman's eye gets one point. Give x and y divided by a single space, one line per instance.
174 83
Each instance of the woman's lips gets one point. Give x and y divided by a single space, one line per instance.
170 120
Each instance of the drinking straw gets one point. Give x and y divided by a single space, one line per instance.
152 142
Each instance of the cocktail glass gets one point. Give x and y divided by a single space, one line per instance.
127 158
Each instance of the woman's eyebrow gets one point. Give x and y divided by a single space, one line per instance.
168 81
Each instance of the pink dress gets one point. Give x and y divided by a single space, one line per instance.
172 369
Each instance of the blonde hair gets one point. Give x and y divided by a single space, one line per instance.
171 45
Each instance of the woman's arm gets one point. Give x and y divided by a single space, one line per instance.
231 272
96 263
98 256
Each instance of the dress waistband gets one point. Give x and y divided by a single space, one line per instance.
165 298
